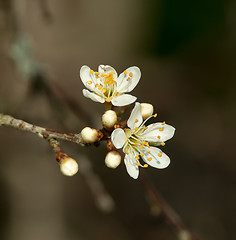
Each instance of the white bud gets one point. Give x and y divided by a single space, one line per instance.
146 110
113 159
89 135
109 118
69 166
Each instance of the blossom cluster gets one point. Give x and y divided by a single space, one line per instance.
138 141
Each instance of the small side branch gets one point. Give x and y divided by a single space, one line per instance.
6 120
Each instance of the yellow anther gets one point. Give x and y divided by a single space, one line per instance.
103 75
126 152
145 165
145 128
105 82
135 144
136 128
138 164
97 76
164 123
160 129
110 82
99 87
149 152
141 146
96 85
163 144
125 72
104 90
137 157
130 74
145 143
91 71
127 79
90 82
155 115
150 159
158 137
159 154
136 120
97 73
141 154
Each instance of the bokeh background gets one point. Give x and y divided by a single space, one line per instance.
186 51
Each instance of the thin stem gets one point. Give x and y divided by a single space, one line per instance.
6 120
170 214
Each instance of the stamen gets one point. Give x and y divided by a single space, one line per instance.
91 71
160 129
104 90
97 73
145 128
89 82
149 152
141 146
141 154
137 157
127 79
96 85
97 76
99 87
159 154
158 137
163 123
136 128
138 164
125 72
135 144
131 74
105 82
103 75
136 120
163 144
126 152
155 115
150 159
145 165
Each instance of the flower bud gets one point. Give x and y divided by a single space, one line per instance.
146 110
113 159
109 118
68 166
89 135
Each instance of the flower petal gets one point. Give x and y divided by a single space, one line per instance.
93 96
118 138
87 78
127 82
106 69
131 166
135 119
152 158
157 132
123 100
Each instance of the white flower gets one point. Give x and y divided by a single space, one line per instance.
69 166
109 118
136 141
106 86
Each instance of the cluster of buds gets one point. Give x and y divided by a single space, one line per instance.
137 141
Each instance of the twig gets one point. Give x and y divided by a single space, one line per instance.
6 120
170 214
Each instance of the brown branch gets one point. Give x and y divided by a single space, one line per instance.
6 120
170 214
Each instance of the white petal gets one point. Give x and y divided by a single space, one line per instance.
157 161
127 86
93 96
106 69
123 100
131 166
152 132
118 138
86 76
135 118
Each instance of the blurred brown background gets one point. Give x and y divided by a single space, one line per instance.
186 51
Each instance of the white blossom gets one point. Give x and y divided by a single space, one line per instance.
109 119
106 86
113 159
89 135
139 140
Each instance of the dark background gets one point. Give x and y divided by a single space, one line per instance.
186 51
